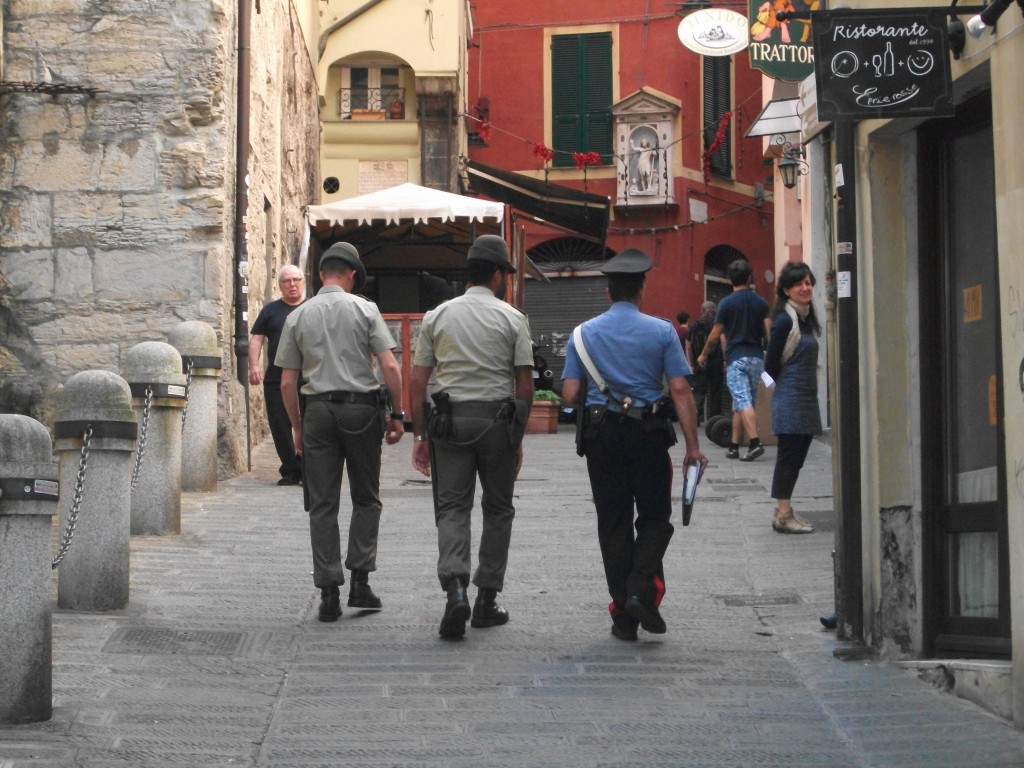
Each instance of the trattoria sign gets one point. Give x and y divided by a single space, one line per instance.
882 63
781 49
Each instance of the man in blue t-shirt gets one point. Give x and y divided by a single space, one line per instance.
743 318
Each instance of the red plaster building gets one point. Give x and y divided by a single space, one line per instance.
611 79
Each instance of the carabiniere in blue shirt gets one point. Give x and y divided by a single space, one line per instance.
634 352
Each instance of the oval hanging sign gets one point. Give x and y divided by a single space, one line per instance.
714 32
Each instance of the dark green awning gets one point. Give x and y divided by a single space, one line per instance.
570 208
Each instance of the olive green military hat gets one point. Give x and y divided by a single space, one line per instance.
347 254
491 248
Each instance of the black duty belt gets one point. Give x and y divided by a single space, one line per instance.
478 408
340 396
639 414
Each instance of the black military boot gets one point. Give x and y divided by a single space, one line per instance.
623 624
456 611
487 612
330 604
359 593
642 597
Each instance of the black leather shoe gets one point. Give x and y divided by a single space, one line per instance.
359 593
456 611
623 625
648 616
330 604
487 612
289 480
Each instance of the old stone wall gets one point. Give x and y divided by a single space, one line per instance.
284 160
117 210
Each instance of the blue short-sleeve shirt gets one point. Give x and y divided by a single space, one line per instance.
634 352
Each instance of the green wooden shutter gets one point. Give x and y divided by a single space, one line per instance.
597 89
581 91
717 101
566 98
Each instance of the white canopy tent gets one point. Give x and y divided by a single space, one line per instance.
416 227
405 202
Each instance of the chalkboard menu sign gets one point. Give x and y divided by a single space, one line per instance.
882 63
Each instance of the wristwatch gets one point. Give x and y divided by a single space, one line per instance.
421 438
398 415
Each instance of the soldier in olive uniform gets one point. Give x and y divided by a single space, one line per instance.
626 439
330 341
479 349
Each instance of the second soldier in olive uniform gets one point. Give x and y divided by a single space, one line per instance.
479 348
626 439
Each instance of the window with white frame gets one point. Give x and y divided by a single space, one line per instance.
370 89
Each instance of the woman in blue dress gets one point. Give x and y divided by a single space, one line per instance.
792 360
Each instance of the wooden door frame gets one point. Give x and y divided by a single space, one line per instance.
943 634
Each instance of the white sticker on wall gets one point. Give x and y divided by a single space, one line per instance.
844 285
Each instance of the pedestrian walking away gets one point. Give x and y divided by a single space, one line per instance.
683 331
266 331
743 318
624 356
330 342
479 349
792 361
707 382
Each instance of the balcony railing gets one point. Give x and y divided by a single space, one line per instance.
385 103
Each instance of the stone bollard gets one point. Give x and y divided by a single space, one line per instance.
200 358
28 492
97 408
153 372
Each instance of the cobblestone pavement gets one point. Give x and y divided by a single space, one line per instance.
220 661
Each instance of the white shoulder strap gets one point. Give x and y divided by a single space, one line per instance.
588 363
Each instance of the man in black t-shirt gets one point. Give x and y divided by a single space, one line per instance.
267 328
707 382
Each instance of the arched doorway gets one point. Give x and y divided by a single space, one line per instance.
716 265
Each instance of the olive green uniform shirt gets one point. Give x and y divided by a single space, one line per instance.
330 339
474 343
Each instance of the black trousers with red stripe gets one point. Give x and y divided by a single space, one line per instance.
631 472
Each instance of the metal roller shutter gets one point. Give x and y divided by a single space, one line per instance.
555 308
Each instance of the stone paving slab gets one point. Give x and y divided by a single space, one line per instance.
219 659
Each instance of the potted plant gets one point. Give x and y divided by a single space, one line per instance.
544 414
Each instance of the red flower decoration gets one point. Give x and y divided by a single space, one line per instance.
484 132
723 126
583 159
542 152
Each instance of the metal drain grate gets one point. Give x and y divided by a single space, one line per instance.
187 642
748 601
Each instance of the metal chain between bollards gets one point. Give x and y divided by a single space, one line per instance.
76 500
188 384
142 436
